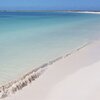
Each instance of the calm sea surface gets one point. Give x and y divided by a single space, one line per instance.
29 39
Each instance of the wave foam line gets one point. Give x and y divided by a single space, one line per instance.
14 86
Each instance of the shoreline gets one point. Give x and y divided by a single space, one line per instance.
87 12
25 80
61 71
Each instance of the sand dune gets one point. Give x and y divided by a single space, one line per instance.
75 77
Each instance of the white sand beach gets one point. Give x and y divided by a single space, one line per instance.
75 77
89 12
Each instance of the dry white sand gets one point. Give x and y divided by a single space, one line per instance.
72 78
89 12
82 85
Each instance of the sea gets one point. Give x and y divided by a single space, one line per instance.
30 39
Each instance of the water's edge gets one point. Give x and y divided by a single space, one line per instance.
16 85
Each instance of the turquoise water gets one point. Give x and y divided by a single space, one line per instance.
29 39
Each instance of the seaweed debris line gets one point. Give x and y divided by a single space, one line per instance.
14 86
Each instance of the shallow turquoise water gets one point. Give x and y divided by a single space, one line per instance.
28 39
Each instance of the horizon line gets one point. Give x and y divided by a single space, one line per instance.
47 10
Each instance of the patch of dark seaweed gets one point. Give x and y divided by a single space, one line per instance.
14 86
